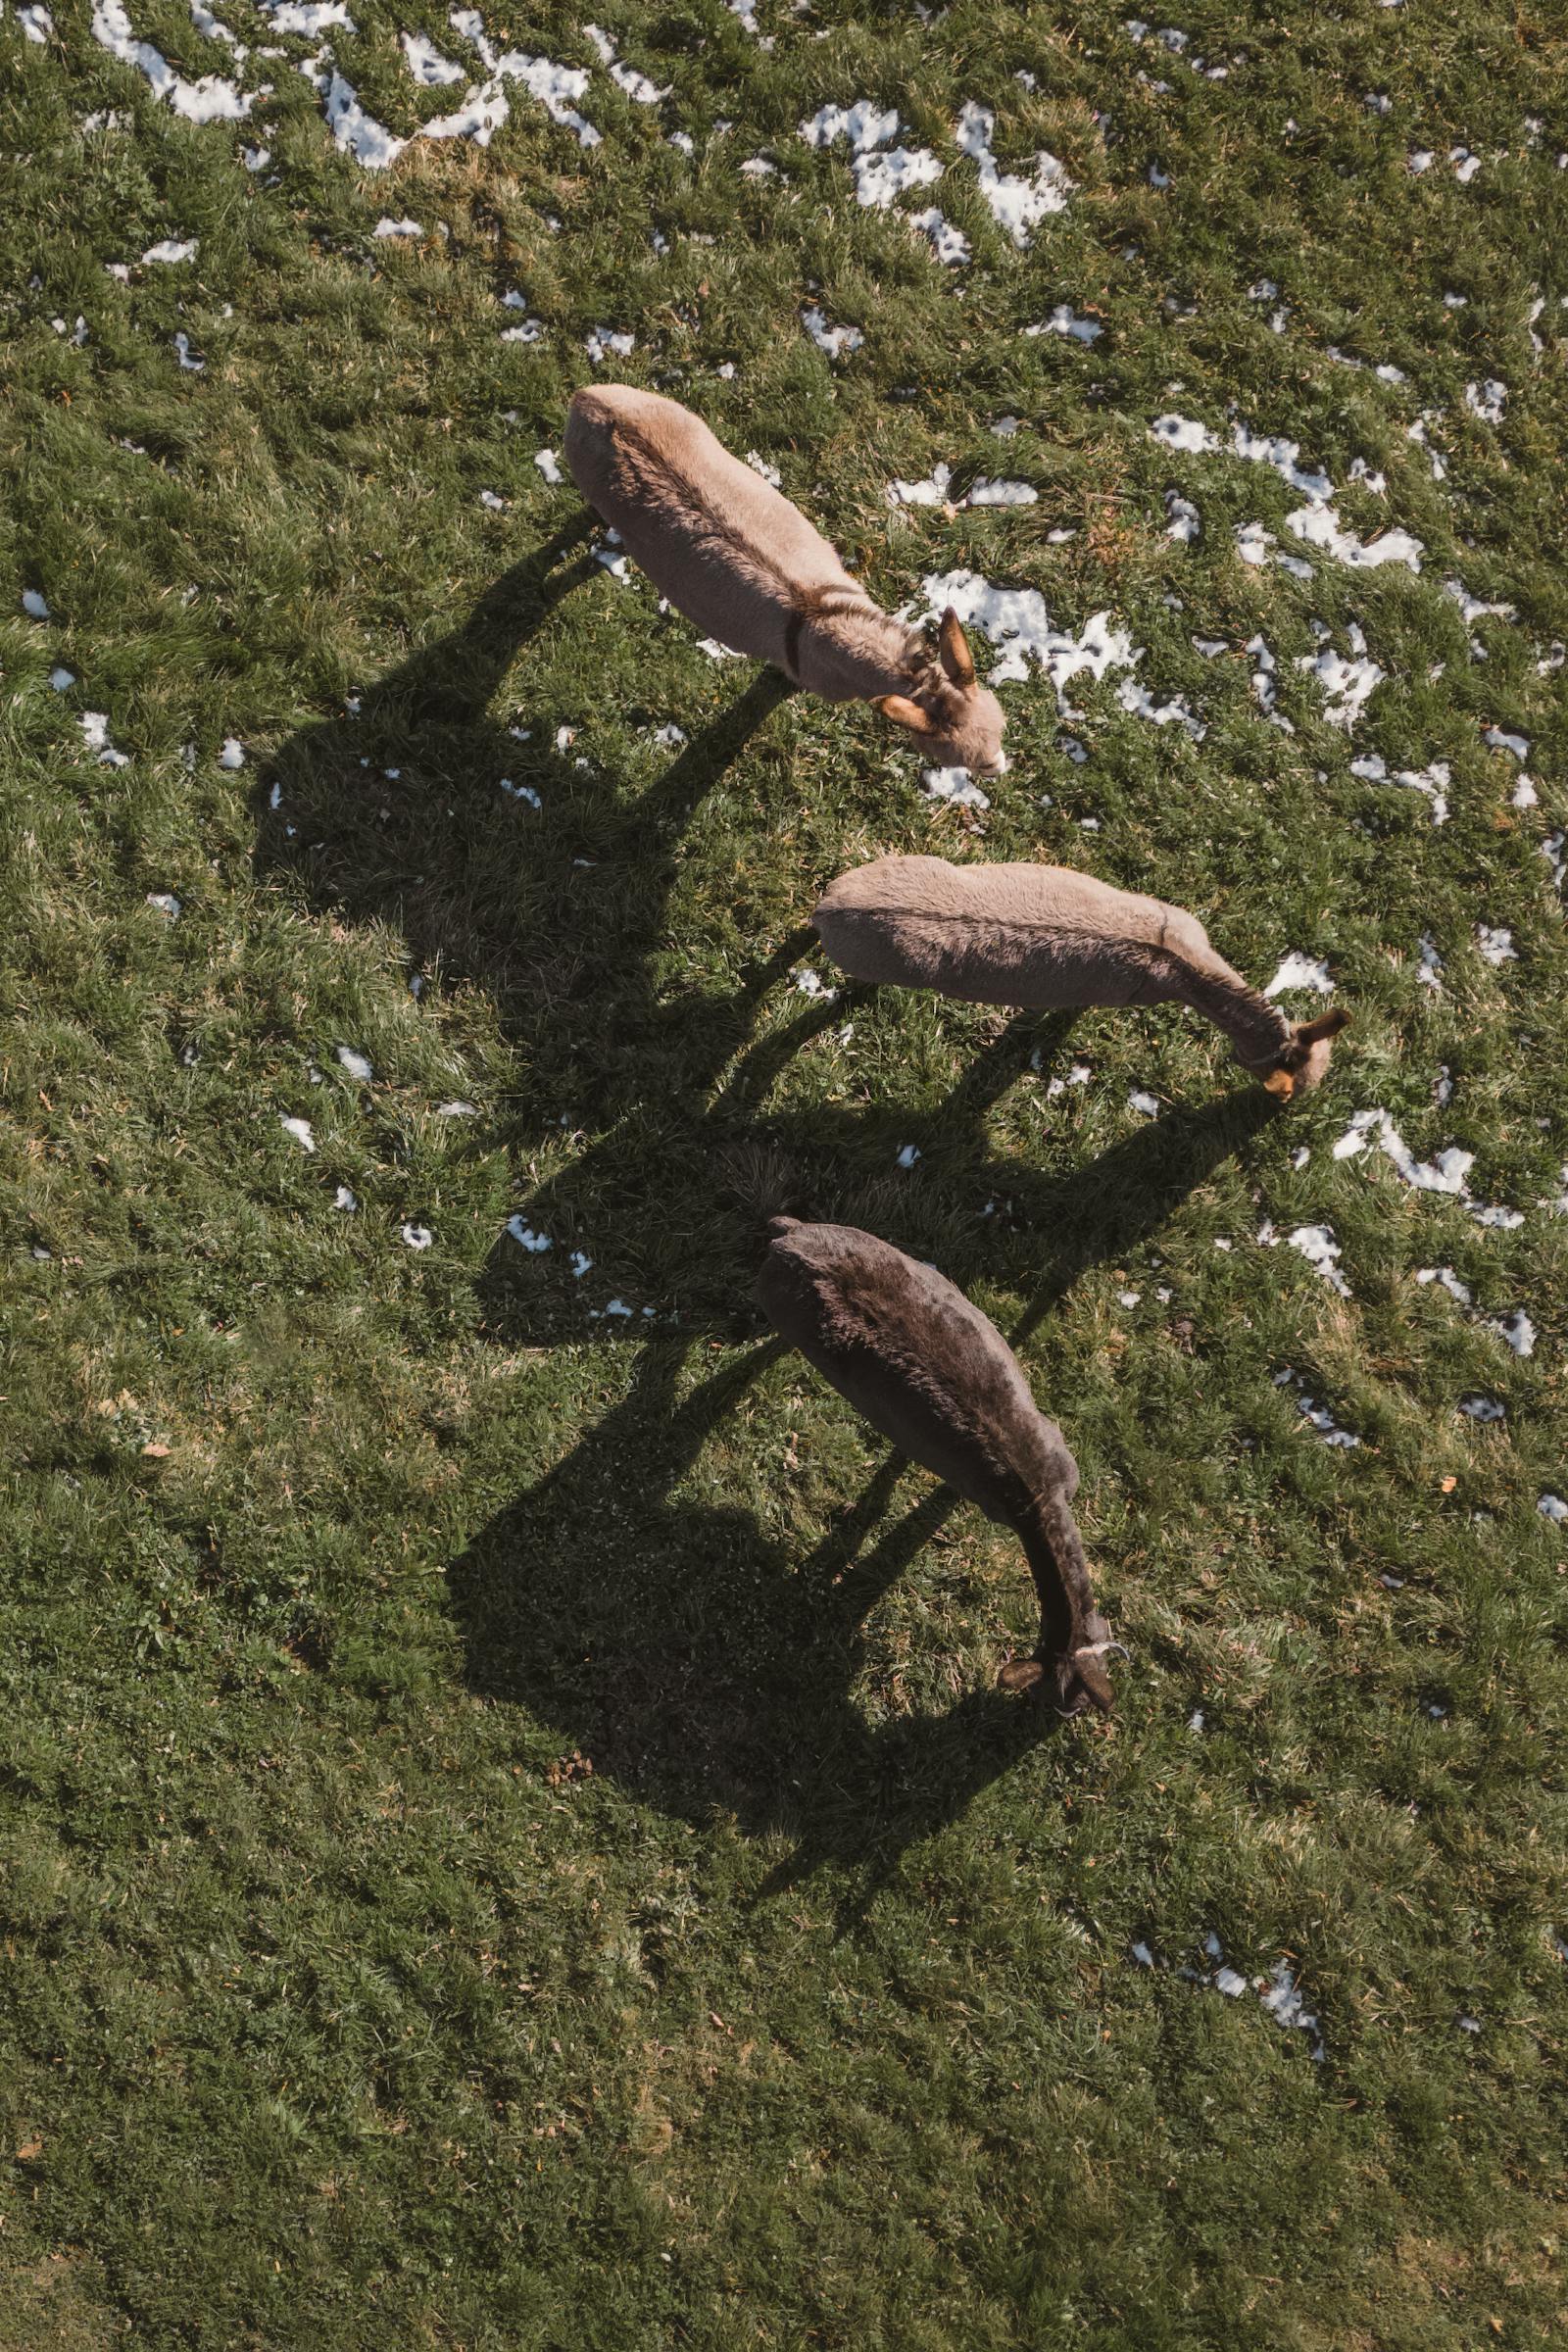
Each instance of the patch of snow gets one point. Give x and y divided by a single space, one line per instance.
426 62
356 1064
172 248
1517 1330
1482 1408
1019 204
1300 971
1185 523
1552 1506
603 340
1319 1416
346 1200
1449 1280
1348 685
1433 781
1062 322
1316 1244
948 244
955 784
526 1236
165 903
1486 400
300 1130
94 726
1497 947
33 605
386 226
1147 1104
1140 703
210 100
232 753
1016 619
417 1237
836 341
191 361
549 465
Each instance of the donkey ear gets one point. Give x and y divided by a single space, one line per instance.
904 713
953 644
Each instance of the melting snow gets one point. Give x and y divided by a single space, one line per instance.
548 464
33 605
1321 1419
1486 400
172 248
430 69
386 226
165 903
1020 205
300 1130
863 125
232 753
1449 1280
417 1237
1482 1408
1062 323
1497 947
1140 703
356 1064
1184 520
948 243
94 726
1145 1102
1552 1506
1348 685
1316 1244
1517 1330
954 784
603 340
210 100
1016 619
526 1235
834 340
1433 780
1300 971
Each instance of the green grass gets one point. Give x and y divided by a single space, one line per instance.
510 1838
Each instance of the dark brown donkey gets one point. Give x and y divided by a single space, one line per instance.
933 1374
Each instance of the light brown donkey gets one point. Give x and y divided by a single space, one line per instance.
1044 936
933 1374
746 566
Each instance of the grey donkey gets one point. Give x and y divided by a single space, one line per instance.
746 565
933 1374
1045 936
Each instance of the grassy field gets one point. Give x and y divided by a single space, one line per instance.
510 1837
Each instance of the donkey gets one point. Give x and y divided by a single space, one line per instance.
746 565
1043 936
930 1372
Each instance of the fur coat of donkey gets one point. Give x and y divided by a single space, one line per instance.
933 1374
746 566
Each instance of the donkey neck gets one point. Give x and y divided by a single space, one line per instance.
1054 1551
848 648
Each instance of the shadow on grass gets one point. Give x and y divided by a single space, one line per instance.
397 813
705 1667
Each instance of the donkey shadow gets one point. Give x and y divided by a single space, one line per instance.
500 857
708 1670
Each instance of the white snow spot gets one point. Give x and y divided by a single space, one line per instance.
1140 703
94 726
232 753
417 1237
1319 1416
356 1064
1497 947
1552 1506
1497 740
988 493
520 792
1184 524
62 679
1472 608
1300 971
1020 205
955 784
300 1130
1016 619
1517 1330
33 605
549 465
345 1200
932 492
386 226
1482 1408
1062 322
165 903
1348 685
210 100
172 248
908 1154
948 244
863 125
836 341
191 361
1316 1244
1433 781
1431 962
603 340
1147 1104
429 68
1449 1280
526 1236
1486 400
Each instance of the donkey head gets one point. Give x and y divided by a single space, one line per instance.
1074 1681
1306 1057
957 721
